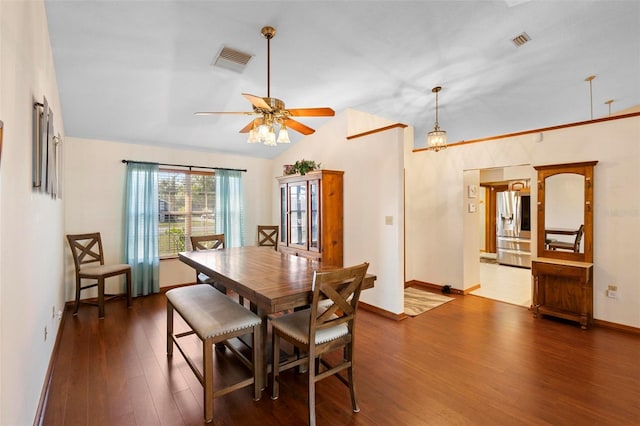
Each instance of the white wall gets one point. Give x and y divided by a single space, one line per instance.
31 224
373 189
435 211
94 197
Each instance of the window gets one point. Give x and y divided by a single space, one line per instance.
186 207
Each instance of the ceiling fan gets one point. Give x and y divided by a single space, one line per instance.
272 111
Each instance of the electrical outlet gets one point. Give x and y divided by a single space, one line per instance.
45 333
53 311
612 291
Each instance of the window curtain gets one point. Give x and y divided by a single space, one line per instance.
230 207
141 228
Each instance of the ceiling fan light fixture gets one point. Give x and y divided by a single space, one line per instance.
270 128
254 136
437 138
263 130
283 135
270 139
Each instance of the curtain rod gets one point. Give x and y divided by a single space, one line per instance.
182 165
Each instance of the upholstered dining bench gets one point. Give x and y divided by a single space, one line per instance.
214 318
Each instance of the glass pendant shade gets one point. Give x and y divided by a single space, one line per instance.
263 131
270 139
253 136
283 135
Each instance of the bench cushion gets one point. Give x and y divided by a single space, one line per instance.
210 313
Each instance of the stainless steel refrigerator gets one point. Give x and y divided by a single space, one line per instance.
513 228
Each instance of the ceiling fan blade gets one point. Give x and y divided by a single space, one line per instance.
248 127
257 101
311 112
223 112
298 126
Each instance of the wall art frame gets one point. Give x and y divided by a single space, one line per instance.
47 152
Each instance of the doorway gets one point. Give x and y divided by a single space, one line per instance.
502 282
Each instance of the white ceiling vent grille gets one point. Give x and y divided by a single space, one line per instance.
521 39
231 59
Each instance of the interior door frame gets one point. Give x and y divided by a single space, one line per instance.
490 244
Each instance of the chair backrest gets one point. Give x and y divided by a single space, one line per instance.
86 248
207 242
576 244
342 287
268 235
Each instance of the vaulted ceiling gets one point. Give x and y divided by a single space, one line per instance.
136 71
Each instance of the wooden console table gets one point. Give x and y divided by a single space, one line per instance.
564 289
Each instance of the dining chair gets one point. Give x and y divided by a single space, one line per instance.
208 242
268 235
88 258
318 331
571 246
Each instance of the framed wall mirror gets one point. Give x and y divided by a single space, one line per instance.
565 211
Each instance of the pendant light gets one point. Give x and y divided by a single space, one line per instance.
436 139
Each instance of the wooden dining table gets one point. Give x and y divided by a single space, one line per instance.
272 281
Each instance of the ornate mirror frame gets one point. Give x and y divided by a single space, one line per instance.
585 169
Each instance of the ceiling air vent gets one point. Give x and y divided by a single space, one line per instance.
521 39
231 59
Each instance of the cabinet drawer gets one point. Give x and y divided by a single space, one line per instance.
541 268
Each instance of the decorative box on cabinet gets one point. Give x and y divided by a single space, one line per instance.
311 210
564 289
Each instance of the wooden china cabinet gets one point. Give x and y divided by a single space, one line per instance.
311 215
563 278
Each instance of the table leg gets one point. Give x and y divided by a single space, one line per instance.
265 348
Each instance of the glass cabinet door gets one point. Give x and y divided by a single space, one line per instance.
314 215
298 215
283 214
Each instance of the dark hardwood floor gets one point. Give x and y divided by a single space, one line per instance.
472 361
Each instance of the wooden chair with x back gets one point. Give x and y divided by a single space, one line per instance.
88 259
208 242
268 235
316 331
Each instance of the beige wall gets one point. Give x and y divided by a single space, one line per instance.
31 223
373 190
441 242
94 196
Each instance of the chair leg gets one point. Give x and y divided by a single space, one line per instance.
169 328
128 278
352 383
78 282
275 384
100 297
312 392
